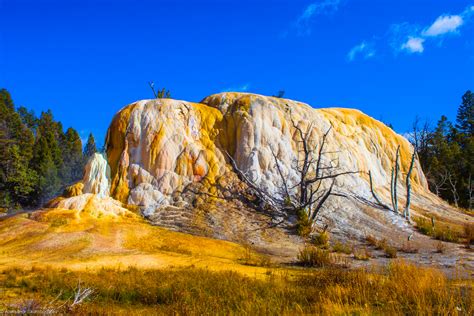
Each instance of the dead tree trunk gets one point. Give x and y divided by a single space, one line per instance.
376 198
471 192
406 212
394 182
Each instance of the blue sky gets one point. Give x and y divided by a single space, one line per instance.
87 59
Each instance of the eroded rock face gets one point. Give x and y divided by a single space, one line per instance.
254 128
155 148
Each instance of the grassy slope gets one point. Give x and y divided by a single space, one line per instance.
62 238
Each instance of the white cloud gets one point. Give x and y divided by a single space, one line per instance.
414 45
443 25
242 88
315 8
364 49
411 38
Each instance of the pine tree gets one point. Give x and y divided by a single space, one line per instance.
90 148
47 159
17 179
465 116
72 156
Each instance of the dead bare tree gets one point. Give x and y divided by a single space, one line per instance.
374 195
438 183
406 211
159 94
453 181
394 181
471 191
315 181
394 184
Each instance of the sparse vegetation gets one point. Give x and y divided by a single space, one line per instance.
197 291
340 247
251 257
159 94
469 234
382 244
438 231
311 256
362 254
407 247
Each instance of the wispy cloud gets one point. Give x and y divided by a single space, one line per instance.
241 88
323 7
364 49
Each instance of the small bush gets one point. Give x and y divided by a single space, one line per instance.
321 239
311 256
371 240
362 254
382 244
408 248
342 248
378 244
304 226
440 247
390 252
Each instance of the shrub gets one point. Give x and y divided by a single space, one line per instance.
382 244
440 247
371 240
408 248
311 256
341 248
321 239
362 254
390 252
304 225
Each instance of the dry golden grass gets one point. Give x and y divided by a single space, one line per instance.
340 247
399 288
469 234
311 256
382 244
62 238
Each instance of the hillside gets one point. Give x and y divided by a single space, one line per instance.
169 162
